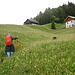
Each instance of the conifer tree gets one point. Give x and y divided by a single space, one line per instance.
53 25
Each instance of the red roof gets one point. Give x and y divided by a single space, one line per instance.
69 18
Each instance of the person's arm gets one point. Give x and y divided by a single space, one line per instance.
14 38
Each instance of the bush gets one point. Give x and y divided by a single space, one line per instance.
53 25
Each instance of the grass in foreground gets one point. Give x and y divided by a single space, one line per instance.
39 53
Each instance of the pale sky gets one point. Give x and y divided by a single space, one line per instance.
17 11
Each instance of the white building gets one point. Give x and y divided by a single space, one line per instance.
70 21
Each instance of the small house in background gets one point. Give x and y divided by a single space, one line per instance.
70 21
31 21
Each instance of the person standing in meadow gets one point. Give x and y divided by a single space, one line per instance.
9 49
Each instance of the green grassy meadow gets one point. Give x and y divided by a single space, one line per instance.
39 53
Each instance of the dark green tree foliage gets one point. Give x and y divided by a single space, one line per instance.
44 18
59 13
71 8
47 16
40 18
53 25
55 19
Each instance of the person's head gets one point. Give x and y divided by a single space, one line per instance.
9 35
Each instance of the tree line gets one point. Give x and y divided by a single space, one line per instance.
57 15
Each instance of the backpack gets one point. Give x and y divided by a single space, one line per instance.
8 40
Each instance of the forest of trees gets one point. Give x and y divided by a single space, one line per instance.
56 14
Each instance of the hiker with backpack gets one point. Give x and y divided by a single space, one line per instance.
9 49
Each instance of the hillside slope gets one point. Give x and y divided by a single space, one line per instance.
39 53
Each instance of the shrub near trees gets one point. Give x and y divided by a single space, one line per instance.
60 13
53 25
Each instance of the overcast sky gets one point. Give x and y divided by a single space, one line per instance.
17 11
